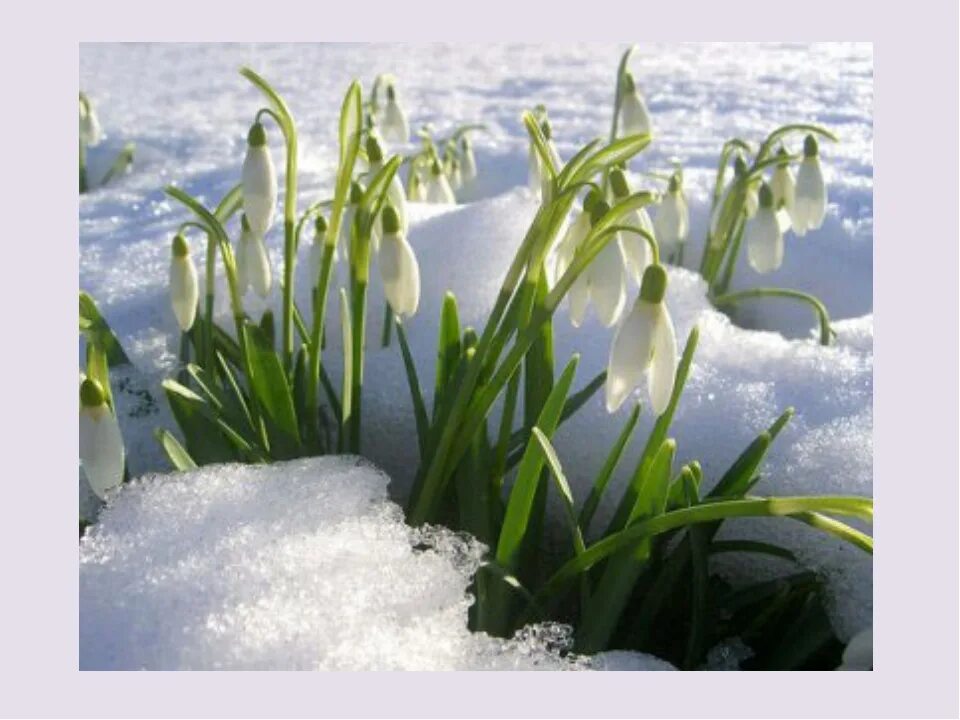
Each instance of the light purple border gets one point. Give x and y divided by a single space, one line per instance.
916 389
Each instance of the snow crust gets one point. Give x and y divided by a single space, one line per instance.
303 565
188 111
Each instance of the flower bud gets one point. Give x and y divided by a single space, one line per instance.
259 182
399 269
101 444
184 288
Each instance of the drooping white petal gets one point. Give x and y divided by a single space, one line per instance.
764 241
671 221
439 190
394 123
90 131
576 233
579 297
259 178
663 368
400 273
607 280
630 353
636 249
184 291
258 267
634 118
810 199
101 449
782 186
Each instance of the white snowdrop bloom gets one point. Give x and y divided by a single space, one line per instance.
315 261
184 289
562 253
90 132
634 117
858 654
259 182
672 219
395 192
603 282
636 248
763 235
393 120
644 342
468 161
438 188
398 266
101 444
783 187
253 263
810 197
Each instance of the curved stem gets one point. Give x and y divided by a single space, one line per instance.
732 256
826 332
618 93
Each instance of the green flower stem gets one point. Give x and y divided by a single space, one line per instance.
83 167
826 332
285 120
798 507
732 255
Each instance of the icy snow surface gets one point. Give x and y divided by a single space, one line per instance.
188 111
304 565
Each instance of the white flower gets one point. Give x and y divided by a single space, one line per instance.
184 292
101 445
90 132
645 342
810 199
636 248
763 235
315 261
469 162
253 263
603 281
259 180
395 192
398 266
858 654
782 185
438 188
561 255
672 219
393 121
634 118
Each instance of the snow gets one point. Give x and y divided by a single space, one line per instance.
188 111
303 565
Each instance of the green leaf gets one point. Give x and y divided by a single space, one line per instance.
346 389
97 332
272 390
416 396
735 480
123 160
563 487
448 349
517 518
611 154
175 451
751 546
206 443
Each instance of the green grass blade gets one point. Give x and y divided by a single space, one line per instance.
563 487
448 349
416 396
176 453
270 386
346 389
97 332
735 480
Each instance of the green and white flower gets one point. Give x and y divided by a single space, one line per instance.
763 235
634 117
672 219
90 132
636 249
644 343
253 263
259 182
393 120
101 444
783 186
438 188
810 201
399 269
184 289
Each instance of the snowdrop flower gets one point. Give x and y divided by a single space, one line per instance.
259 179
763 235
603 281
90 132
417 191
539 178
782 185
469 162
858 654
636 249
395 192
645 342
562 254
393 122
101 445
398 266
346 220
634 118
184 292
438 188
253 264
750 202
672 220
810 200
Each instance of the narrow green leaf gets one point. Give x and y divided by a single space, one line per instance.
448 348
269 384
205 441
416 396
98 332
176 453
563 487
346 388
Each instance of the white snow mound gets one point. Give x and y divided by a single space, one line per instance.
304 565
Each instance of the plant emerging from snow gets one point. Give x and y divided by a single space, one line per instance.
91 135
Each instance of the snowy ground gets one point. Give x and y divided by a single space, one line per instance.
188 111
